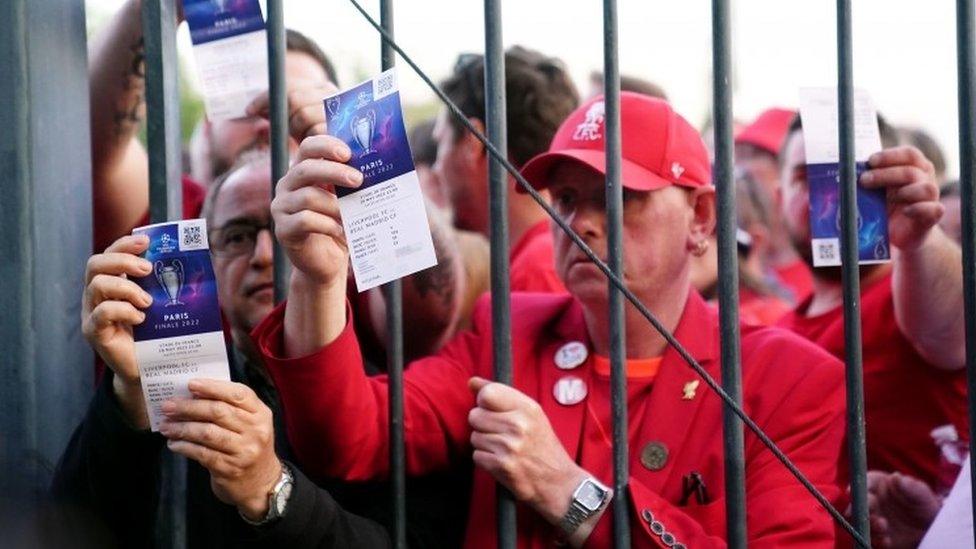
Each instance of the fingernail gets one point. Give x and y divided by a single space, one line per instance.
866 177
355 178
168 407
170 443
343 152
193 385
147 299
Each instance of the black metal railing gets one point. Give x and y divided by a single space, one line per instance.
164 184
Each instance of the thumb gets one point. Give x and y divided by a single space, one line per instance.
477 383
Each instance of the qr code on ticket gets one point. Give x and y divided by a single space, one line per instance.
193 235
826 252
384 85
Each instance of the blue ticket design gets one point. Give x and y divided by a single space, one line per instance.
818 110
230 50
211 20
182 336
825 218
385 219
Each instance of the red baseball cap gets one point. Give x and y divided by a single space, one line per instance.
659 147
768 130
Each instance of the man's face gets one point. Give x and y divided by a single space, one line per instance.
245 273
656 231
759 164
463 176
794 196
230 138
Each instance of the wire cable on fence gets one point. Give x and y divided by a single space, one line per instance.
665 333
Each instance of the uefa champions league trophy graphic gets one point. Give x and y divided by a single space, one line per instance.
220 6
362 131
170 277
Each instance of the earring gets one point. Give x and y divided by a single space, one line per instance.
700 248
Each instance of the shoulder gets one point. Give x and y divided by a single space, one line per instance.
528 309
784 356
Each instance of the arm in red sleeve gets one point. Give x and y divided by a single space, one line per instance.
337 418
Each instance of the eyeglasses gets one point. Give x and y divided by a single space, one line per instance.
237 237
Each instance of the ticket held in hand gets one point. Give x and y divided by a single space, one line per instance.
385 219
182 337
230 49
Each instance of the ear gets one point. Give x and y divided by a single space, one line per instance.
702 222
474 151
760 239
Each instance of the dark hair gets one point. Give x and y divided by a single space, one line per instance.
928 145
539 96
296 41
422 143
889 135
633 84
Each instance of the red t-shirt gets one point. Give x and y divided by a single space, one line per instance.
761 310
905 398
797 278
532 264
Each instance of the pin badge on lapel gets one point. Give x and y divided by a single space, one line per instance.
654 456
570 355
569 390
688 391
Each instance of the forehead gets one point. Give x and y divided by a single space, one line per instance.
246 193
793 152
300 66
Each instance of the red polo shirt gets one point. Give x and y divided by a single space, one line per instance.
532 263
905 397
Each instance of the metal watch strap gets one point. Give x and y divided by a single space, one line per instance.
573 518
286 478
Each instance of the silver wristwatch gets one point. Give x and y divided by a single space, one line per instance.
277 498
590 496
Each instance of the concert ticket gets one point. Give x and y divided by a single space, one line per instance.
385 220
818 110
182 337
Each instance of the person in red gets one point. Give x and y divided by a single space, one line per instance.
911 310
547 97
757 149
546 438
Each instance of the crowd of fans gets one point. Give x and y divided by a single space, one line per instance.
307 406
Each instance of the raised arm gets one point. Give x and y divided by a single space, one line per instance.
927 271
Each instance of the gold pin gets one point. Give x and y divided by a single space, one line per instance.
689 390
654 456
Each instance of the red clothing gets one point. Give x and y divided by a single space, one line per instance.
763 310
798 278
532 264
337 421
904 396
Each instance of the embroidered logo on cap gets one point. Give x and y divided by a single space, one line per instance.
677 169
589 128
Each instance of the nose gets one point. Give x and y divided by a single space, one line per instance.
588 220
263 254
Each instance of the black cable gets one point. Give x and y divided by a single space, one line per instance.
503 159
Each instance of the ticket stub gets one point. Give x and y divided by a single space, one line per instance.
818 110
230 46
384 219
182 337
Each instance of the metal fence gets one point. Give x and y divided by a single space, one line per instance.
163 123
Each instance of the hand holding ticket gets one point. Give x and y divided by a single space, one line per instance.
181 336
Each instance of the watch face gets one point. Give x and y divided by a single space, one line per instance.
591 496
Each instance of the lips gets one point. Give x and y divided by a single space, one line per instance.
251 290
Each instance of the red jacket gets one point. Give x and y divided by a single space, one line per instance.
337 422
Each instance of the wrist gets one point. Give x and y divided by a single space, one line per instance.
555 502
128 394
305 286
254 507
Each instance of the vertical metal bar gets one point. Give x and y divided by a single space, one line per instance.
728 275
162 110
618 374
496 112
279 125
851 272
393 295
165 204
967 169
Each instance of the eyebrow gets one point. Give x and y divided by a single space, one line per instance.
242 220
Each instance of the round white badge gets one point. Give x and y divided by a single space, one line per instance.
571 355
569 390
